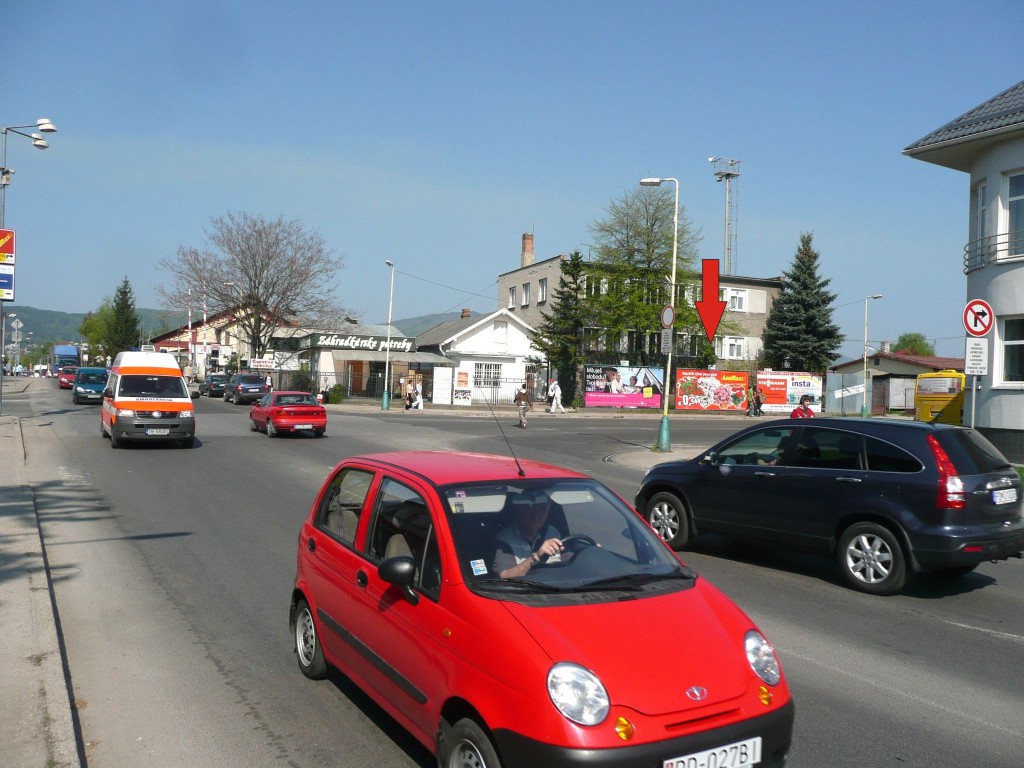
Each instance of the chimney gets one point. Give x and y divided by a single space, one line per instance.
887 346
527 258
465 313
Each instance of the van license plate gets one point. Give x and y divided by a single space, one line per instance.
740 754
158 431
1004 496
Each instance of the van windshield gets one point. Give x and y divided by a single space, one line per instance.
135 385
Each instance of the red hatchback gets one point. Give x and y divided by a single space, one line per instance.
278 412
516 613
66 377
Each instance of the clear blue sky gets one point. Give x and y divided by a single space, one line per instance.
435 134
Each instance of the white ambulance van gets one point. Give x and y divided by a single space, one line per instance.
147 398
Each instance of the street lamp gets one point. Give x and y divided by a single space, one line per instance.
867 389
42 124
385 400
238 338
664 439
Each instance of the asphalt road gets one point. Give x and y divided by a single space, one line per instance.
172 570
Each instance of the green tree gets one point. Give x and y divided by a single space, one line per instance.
93 329
914 344
628 281
560 335
123 330
799 333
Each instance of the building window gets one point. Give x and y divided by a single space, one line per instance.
512 297
735 298
1015 206
592 339
733 347
486 374
1013 349
542 290
526 294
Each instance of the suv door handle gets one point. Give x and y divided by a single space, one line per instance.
848 480
764 474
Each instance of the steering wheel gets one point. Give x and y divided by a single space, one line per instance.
578 538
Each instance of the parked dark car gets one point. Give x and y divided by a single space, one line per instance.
213 385
884 497
245 388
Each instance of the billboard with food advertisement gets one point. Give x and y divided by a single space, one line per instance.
699 390
782 390
622 386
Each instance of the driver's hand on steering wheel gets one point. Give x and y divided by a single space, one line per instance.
549 548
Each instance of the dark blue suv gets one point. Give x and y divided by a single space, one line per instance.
884 497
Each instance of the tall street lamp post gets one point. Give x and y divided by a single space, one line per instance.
865 406
385 400
46 126
664 438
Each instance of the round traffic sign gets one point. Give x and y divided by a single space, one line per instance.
978 317
668 316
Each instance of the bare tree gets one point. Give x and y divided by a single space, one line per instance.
271 273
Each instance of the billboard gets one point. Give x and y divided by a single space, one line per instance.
782 390
620 386
703 390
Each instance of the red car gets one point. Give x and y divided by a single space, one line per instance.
278 412
516 613
66 377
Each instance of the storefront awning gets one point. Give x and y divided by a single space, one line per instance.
348 355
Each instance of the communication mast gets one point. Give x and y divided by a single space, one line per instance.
727 170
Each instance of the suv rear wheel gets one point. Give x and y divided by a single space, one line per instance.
871 559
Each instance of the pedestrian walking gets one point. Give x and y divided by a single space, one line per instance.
418 402
410 394
555 392
524 403
758 401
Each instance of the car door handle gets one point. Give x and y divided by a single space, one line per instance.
764 474
311 544
362 579
848 480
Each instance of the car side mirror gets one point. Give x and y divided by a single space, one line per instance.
108 392
400 571
711 458
194 393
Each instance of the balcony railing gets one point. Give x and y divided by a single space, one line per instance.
997 249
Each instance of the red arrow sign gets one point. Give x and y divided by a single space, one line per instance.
710 307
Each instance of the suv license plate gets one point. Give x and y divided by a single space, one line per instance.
1004 496
158 431
740 754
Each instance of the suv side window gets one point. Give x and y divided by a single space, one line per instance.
343 503
826 449
401 525
886 457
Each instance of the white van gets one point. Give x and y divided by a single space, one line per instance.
147 398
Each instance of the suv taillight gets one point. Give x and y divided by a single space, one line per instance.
951 487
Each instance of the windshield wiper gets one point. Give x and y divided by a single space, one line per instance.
636 580
516 585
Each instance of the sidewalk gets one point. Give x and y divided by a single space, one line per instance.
35 713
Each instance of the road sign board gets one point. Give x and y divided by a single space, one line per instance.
6 282
666 340
668 316
6 246
978 317
976 357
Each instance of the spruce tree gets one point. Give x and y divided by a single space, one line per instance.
125 327
799 334
560 335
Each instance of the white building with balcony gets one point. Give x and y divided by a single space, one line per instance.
988 143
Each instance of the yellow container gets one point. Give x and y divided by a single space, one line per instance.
939 396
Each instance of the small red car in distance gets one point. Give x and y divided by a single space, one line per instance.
66 377
512 613
278 412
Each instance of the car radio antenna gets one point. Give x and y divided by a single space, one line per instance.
522 472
